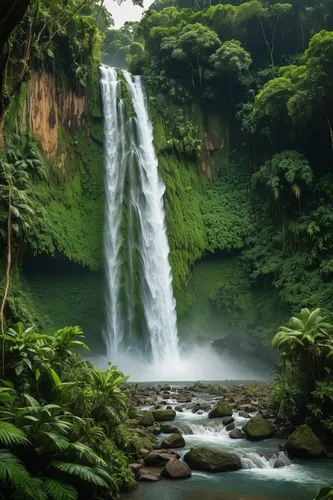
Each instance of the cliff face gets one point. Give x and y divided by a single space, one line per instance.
47 107
69 236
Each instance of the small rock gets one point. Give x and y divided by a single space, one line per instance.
135 467
248 408
179 408
159 458
175 469
236 434
147 475
244 414
227 420
278 464
230 427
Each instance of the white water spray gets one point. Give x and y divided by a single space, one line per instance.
129 153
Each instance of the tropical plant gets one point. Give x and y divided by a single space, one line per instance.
307 344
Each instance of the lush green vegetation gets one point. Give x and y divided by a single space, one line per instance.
304 387
64 428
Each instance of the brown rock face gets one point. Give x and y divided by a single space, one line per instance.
46 108
175 469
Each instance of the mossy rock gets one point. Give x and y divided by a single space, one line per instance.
222 409
147 419
210 460
173 441
164 415
304 443
257 428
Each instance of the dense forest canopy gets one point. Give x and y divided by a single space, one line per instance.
268 67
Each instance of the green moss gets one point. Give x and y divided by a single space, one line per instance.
14 112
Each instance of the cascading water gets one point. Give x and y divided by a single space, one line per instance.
131 174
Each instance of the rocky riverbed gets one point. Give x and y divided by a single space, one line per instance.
211 429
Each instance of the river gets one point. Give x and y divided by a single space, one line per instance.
257 480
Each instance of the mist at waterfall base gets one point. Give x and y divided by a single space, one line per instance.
141 334
193 363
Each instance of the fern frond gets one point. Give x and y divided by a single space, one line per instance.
57 490
10 434
90 474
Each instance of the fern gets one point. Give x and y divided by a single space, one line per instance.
56 490
13 472
11 435
94 475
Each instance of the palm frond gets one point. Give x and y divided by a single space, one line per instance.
57 490
90 474
11 435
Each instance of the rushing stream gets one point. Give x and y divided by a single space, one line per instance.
256 480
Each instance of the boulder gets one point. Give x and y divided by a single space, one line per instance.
257 428
147 475
147 419
304 443
164 415
175 469
173 441
236 434
179 428
160 457
210 460
179 408
222 409
244 414
170 429
278 464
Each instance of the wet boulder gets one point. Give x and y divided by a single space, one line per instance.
147 475
304 443
173 441
227 420
244 414
159 458
175 469
257 428
230 427
221 409
211 460
164 415
147 419
236 434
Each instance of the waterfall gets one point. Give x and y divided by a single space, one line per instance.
133 187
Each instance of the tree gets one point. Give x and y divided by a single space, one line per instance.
194 45
307 343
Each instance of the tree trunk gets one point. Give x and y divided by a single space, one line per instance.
9 261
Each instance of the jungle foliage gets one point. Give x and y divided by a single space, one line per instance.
63 424
267 68
304 386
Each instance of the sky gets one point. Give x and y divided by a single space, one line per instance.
126 11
